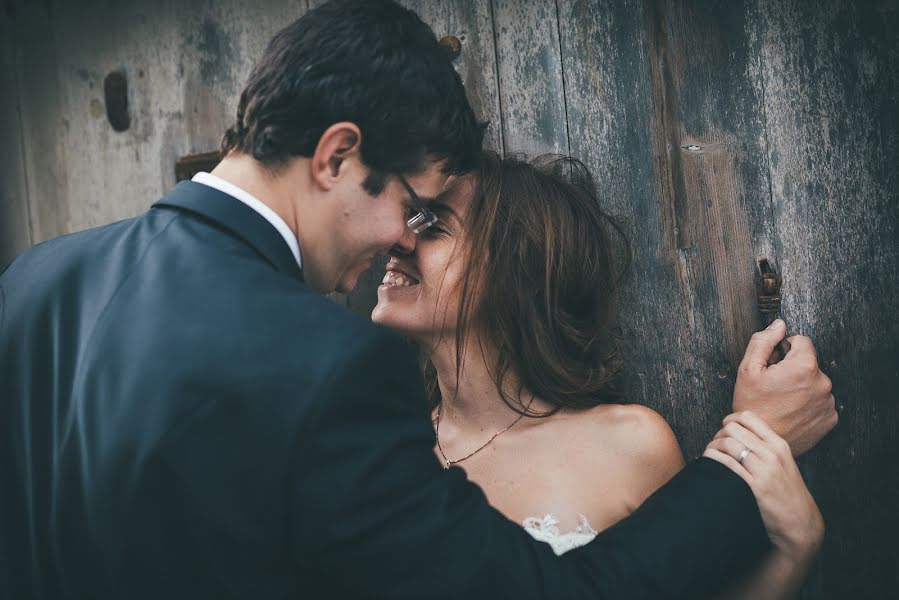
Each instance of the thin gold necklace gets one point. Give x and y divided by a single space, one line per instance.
447 463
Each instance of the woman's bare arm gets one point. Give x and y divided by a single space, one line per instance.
788 510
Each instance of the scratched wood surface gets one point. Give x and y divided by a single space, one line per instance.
15 229
718 131
830 74
532 91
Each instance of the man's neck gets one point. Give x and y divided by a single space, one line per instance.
275 191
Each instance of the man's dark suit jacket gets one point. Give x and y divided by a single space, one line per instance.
182 417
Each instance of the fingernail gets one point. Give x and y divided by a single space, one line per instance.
774 324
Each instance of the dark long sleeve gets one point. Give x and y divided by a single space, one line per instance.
378 513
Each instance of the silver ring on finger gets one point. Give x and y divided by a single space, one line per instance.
746 452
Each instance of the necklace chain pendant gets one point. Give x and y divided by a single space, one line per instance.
487 443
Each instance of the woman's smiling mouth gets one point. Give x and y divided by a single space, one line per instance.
398 278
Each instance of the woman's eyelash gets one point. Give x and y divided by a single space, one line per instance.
433 231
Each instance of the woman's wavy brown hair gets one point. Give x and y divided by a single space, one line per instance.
549 263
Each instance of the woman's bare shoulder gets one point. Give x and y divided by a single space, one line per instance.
643 444
638 424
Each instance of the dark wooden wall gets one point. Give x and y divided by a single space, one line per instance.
721 131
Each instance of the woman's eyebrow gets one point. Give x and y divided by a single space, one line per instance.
442 209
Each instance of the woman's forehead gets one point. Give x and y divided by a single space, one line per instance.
457 191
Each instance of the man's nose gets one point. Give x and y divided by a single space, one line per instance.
406 244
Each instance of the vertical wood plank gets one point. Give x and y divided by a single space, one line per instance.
831 80
472 23
44 120
610 116
663 111
747 86
531 89
15 228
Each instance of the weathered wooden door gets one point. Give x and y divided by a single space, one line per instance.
722 131
726 132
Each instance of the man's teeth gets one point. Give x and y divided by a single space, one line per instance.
394 278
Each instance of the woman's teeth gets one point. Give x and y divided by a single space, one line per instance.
394 278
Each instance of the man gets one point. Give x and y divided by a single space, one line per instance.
185 416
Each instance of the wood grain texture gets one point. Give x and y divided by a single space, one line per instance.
708 134
660 109
792 114
472 23
531 77
15 229
830 73
44 119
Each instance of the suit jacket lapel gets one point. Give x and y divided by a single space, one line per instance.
238 218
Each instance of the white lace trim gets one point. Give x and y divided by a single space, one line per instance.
547 530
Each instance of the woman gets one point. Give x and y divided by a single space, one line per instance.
510 297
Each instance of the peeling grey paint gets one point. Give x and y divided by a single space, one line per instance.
217 53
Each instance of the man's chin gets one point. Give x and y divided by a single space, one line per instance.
347 284
349 280
344 288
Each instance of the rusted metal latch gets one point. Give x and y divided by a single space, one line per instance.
767 285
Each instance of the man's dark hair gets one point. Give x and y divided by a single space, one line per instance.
373 63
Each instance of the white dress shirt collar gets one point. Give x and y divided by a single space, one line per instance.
257 205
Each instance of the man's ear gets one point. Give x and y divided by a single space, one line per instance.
339 142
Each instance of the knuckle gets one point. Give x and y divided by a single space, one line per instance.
804 341
781 447
806 374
